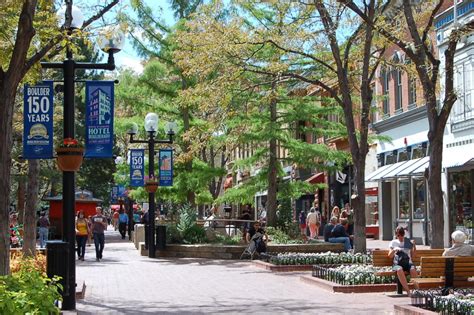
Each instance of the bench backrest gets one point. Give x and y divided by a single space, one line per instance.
380 256
436 266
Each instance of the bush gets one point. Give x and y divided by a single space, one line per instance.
227 240
28 290
186 230
278 236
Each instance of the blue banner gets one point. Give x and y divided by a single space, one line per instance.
99 119
38 121
166 167
137 167
118 191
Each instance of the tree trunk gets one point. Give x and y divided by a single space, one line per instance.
435 192
272 165
20 205
6 111
358 205
191 196
29 228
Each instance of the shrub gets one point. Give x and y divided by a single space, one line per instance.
278 236
28 290
227 240
186 230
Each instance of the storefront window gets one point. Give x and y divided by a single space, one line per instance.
418 151
461 202
402 155
419 198
403 199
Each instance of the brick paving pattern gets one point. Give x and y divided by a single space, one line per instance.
125 283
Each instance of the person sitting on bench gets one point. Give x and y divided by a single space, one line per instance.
459 248
402 250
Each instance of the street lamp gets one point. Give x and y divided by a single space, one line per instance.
151 127
73 19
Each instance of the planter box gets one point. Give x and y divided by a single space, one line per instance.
281 268
216 251
360 288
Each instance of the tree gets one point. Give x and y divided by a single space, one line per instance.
300 34
29 34
201 157
418 18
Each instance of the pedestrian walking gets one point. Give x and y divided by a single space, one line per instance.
115 220
123 222
99 225
43 224
82 234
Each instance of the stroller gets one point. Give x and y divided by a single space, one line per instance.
256 245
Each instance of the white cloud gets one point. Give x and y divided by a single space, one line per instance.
128 62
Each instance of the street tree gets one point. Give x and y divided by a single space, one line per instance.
319 44
416 19
29 34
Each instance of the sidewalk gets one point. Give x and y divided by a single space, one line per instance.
126 283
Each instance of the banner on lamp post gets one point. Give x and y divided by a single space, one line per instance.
99 119
38 121
166 167
137 167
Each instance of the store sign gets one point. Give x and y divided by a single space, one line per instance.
166 167
99 119
137 167
38 121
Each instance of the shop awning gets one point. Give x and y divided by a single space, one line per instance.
400 169
379 173
459 156
316 179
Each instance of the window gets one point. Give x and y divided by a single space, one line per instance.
384 78
460 202
411 92
462 109
398 90
419 150
403 155
390 158
419 198
403 199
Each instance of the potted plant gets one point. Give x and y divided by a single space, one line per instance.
69 155
151 184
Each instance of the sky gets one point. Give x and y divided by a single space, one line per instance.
127 57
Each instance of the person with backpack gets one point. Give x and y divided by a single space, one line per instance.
402 249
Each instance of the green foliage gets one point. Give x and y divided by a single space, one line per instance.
278 236
189 231
227 240
28 291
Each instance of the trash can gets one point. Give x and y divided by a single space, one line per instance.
57 253
161 237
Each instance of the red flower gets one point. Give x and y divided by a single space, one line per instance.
70 141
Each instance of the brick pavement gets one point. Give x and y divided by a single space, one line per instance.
125 283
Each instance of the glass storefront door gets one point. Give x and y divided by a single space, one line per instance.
460 202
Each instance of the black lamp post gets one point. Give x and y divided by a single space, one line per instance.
111 44
151 126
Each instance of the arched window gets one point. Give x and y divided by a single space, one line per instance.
384 80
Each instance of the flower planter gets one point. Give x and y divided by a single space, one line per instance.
151 186
69 159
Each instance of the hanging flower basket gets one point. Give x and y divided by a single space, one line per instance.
69 155
151 185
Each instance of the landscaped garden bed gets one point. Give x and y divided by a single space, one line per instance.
283 262
454 301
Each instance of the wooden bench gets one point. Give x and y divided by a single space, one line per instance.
380 259
445 272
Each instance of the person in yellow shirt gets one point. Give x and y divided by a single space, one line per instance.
82 233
